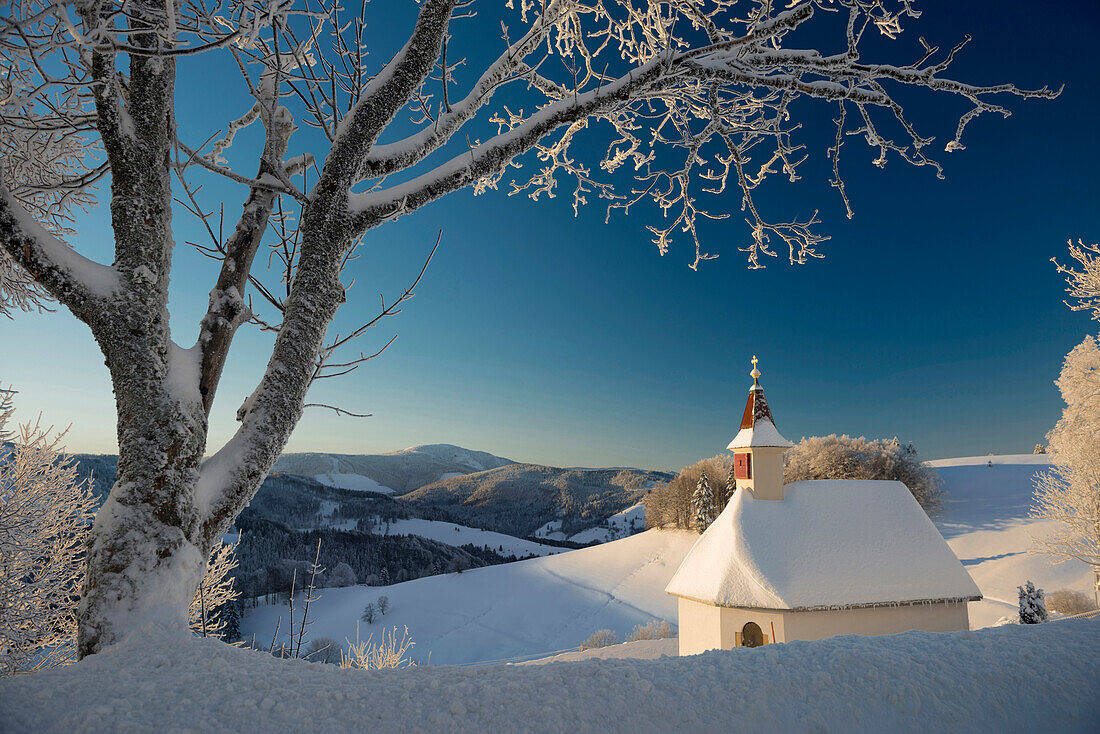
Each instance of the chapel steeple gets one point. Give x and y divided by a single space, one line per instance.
758 446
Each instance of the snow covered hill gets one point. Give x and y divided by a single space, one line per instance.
985 521
451 534
550 604
525 609
396 472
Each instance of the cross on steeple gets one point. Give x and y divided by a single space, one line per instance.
755 373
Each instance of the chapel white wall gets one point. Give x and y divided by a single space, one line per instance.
886 620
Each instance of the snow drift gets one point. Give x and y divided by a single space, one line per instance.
1007 679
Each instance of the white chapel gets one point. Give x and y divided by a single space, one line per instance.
813 559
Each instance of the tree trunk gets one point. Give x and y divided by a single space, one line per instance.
147 551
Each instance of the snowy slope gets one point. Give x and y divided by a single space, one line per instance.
529 608
1039 678
619 525
355 482
395 472
985 521
446 532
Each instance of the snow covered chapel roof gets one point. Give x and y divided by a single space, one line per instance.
830 543
757 425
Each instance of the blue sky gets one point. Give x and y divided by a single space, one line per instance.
936 315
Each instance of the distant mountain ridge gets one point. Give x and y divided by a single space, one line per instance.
398 471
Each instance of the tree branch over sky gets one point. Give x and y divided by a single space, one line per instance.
692 105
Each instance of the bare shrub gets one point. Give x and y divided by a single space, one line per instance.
369 613
1070 601
600 638
389 653
651 630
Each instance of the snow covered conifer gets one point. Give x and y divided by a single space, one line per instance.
684 94
1033 609
702 504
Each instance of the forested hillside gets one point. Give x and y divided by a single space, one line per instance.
519 498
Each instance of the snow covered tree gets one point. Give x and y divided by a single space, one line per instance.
207 614
724 492
702 504
1033 609
1070 492
45 514
671 504
383 604
686 100
369 613
843 457
342 575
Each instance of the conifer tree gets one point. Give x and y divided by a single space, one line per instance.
1033 607
702 504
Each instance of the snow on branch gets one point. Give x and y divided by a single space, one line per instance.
692 119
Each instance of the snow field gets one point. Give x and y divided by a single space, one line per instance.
535 607
985 521
452 534
354 482
1006 679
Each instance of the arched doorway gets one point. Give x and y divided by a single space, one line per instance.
752 635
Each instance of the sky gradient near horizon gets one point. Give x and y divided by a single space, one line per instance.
936 315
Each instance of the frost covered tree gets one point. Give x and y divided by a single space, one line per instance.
724 492
686 101
702 504
208 612
844 457
671 504
1033 609
1070 492
45 514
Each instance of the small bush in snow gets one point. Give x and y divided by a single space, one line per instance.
389 653
383 604
1070 601
651 630
843 457
600 638
369 613
1033 609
